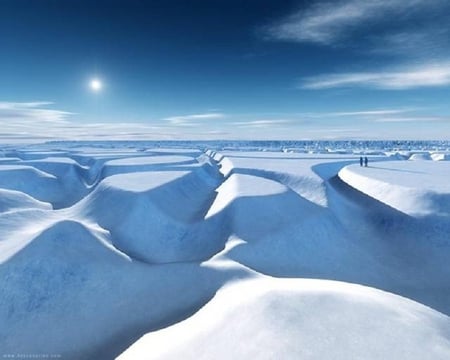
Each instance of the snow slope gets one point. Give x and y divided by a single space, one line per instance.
157 216
216 252
302 319
296 171
13 200
415 188
67 292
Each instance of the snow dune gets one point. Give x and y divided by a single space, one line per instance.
282 233
225 254
13 200
415 189
440 156
68 292
157 216
292 170
302 319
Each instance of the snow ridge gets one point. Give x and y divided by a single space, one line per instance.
224 253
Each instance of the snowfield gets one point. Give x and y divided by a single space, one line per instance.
415 189
140 251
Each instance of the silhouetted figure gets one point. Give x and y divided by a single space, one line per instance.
366 161
360 161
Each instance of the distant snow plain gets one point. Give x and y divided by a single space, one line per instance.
142 252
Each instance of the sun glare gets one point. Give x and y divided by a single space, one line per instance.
96 84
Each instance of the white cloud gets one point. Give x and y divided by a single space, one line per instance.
23 113
35 121
371 112
431 40
59 126
417 31
328 22
401 115
189 120
23 105
431 75
21 121
409 119
263 123
334 130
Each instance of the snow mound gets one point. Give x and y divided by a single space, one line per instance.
34 155
31 181
183 151
8 160
67 292
43 281
415 188
440 157
144 163
302 319
71 178
284 234
56 166
296 171
15 200
259 205
157 216
395 155
420 156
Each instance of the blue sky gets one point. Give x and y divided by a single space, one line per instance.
255 69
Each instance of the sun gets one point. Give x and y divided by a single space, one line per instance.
95 85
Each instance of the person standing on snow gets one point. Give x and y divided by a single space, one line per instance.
360 161
366 161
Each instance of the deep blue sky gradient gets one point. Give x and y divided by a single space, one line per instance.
165 59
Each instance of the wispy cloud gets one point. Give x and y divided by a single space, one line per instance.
430 40
26 112
334 130
37 121
188 120
400 115
431 75
263 123
359 123
409 119
329 22
411 32
23 105
20 121
370 112
323 22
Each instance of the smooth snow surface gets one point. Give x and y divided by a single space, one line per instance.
422 189
223 253
302 319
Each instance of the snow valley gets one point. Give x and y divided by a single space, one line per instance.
184 250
